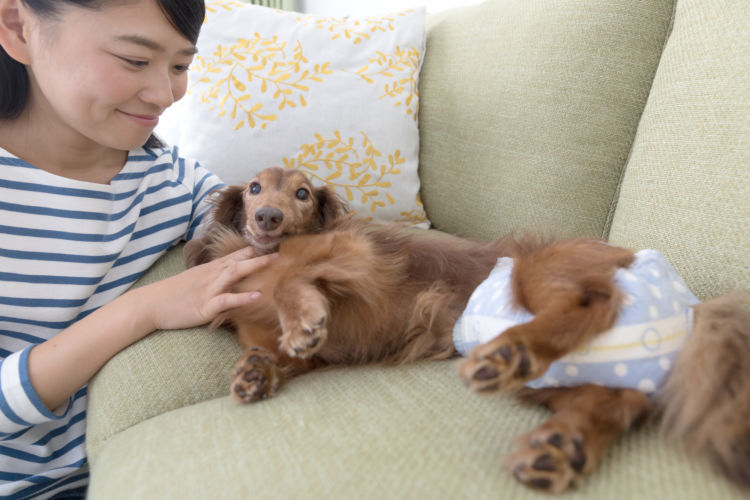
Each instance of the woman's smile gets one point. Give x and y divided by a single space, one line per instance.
150 121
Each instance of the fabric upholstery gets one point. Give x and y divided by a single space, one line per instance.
686 190
529 109
168 370
368 433
533 104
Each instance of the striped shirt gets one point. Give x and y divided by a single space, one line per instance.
68 247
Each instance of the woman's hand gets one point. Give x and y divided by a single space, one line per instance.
63 364
199 294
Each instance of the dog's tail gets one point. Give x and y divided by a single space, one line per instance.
706 399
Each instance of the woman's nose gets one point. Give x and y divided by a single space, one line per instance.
159 90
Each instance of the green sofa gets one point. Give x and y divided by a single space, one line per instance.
621 119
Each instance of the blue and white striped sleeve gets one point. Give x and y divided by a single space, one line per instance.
20 406
205 183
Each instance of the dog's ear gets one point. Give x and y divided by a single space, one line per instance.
330 205
227 209
196 252
227 212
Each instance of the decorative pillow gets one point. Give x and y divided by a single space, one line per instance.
335 98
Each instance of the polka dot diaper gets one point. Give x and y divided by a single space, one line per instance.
636 353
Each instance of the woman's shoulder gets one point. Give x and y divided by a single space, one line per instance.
168 161
160 154
162 158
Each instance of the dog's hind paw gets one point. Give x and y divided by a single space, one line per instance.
552 458
255 376
499 365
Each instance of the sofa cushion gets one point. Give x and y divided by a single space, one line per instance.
167 370
528 111
686 190
161 425
368 433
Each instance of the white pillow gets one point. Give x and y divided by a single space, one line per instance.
335 98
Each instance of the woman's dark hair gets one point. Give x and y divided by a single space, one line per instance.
185 15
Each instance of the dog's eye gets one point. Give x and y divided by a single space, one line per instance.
302 194
255 188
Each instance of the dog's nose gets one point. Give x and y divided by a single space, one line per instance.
269 218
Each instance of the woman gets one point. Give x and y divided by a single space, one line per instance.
89 199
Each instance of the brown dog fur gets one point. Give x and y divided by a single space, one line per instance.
345 291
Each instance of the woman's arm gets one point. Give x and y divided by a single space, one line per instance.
65 363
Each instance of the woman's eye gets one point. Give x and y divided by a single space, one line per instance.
302 194
255 188
181 68
136 63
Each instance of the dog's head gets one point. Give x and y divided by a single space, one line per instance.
277 203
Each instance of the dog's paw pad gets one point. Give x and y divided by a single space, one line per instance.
551 460
255 377
303 338
497 365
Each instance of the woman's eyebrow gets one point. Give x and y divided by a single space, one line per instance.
151 44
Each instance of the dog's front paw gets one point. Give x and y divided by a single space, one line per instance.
500 364
551 458
304 336
256 376
303 324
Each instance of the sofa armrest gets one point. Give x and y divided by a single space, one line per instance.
164 371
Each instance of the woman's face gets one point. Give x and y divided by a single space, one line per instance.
106 75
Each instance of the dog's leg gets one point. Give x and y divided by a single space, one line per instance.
259 373
303 314
262 368
570 288
524 352
556 455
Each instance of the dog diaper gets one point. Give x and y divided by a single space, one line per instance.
637 353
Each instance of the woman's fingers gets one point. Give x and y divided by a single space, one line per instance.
244 253
226 301
235 268
232 272
249 266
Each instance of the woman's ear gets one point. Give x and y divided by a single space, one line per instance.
13 30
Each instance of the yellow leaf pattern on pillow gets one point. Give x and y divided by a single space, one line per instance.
400 70
416 216
355 167
353 30
241 77
226 5
266 80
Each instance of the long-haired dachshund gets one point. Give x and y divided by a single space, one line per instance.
346 291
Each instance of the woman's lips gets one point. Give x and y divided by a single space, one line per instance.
144 120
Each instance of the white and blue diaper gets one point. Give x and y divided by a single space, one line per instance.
637 353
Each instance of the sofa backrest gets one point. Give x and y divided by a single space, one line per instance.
686 189
529 110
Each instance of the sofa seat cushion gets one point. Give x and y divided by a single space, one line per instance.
368 432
